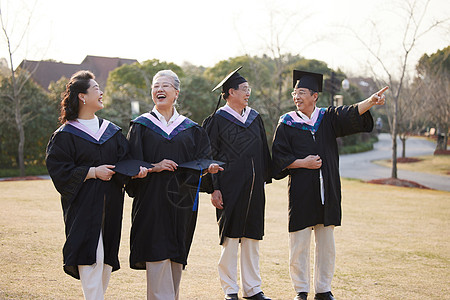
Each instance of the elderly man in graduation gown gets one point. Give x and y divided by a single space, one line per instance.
238 138
305 148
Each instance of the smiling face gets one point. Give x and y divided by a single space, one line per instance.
304 101
92 100
239 98
164 93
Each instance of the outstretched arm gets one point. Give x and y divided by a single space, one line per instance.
376 99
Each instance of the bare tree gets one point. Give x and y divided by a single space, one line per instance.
433 82
17 83
410 113
438 97
414 30
277 63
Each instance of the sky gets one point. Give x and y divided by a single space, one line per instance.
204 32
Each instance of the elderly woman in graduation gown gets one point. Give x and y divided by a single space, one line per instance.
80 157
164 208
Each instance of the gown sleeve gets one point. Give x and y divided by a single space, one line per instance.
203 147
266 154
66 175
204 151
212 131
346 120
282 155
123 153
134 138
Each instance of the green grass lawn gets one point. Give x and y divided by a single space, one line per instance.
394 244
433 164
29 171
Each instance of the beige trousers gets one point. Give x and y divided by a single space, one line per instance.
299 258
250 278
95 278
163 280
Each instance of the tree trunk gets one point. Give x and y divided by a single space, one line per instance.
18 106
394 140
446 140
394 156
21 145
403 139
441 143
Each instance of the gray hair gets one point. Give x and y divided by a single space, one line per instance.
171 74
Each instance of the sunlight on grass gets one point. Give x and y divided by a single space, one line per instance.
393 245
433 164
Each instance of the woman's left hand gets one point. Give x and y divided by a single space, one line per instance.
104 172
214 168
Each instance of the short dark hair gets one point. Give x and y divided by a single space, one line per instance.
226 92
78 83
312 93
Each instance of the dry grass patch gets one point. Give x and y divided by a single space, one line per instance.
432 164
393 245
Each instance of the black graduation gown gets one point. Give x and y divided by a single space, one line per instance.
294 140
88 205
163 217
244 149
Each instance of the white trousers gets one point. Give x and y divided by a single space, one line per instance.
163 280
324 262
250 278
95 278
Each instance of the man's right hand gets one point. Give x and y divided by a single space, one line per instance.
309 162
312 162
216 199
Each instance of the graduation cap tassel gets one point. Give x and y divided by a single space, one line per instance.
195 206
218 103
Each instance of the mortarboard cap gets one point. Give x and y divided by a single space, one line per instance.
309 80
230 80
130 167
200 163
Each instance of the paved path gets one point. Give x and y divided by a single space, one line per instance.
359 165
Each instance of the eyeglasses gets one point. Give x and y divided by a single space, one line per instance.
299 93
246 89
164 86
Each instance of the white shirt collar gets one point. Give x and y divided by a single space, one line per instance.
241 114
162 119
92 124
305 117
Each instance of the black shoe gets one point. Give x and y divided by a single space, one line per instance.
324 296
231 297
259 296
301 296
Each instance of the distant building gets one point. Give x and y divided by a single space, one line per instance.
44 72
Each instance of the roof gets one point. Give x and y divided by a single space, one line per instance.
101 66
44 72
